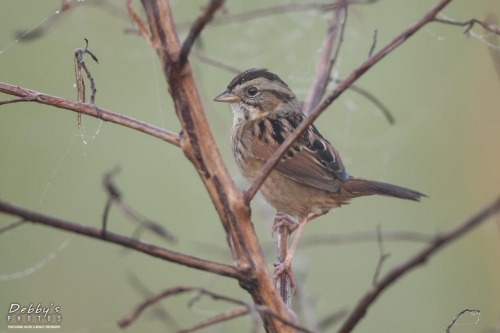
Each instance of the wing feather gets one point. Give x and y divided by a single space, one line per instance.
312 161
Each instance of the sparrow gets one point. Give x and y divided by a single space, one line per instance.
310 179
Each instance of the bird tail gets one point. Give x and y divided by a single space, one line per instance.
361 187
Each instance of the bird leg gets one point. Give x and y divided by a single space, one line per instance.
286 266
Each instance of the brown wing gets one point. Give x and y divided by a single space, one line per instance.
311 161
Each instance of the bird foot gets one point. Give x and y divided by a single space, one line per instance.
284 268
282 220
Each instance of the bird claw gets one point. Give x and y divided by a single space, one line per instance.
284 268
282 220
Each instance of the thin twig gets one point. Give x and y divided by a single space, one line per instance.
134 314
372 48
418 259
372 98
47 25
141 27
91 110
356 74
80 84
469 24
197 27
105 214
382 255
114 196
159 312
472 311
340 239
152 250
79 53
366 236
277 10
11 226
220 318
17 100
361 91
329 53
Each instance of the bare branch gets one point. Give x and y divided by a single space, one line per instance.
198 144
152 250
158 311
357 73
220 318
11 226
469 24
365 236
372 48
472 311
141 27
369 96
382 255
80 84
198 25
114 196
277 10
329 53
418 259
90 110
17 100
340 239
133 315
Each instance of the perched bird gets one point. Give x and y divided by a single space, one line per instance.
310 179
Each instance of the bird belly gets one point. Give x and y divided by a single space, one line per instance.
287 195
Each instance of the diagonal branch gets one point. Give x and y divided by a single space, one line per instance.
206 16
469 24
134 314
12 226
329 53
220 318
472 311
17 100
152 250
419 259
356 74
90 110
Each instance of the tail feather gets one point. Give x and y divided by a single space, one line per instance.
362 187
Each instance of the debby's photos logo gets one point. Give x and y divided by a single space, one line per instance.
34 316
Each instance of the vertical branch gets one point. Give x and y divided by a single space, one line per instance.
329 53
282 282
199 147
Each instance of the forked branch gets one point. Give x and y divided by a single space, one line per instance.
152 250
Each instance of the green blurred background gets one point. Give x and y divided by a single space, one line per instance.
442 88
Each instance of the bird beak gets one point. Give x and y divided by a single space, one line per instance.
226 97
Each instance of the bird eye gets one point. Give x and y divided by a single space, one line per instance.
252 91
